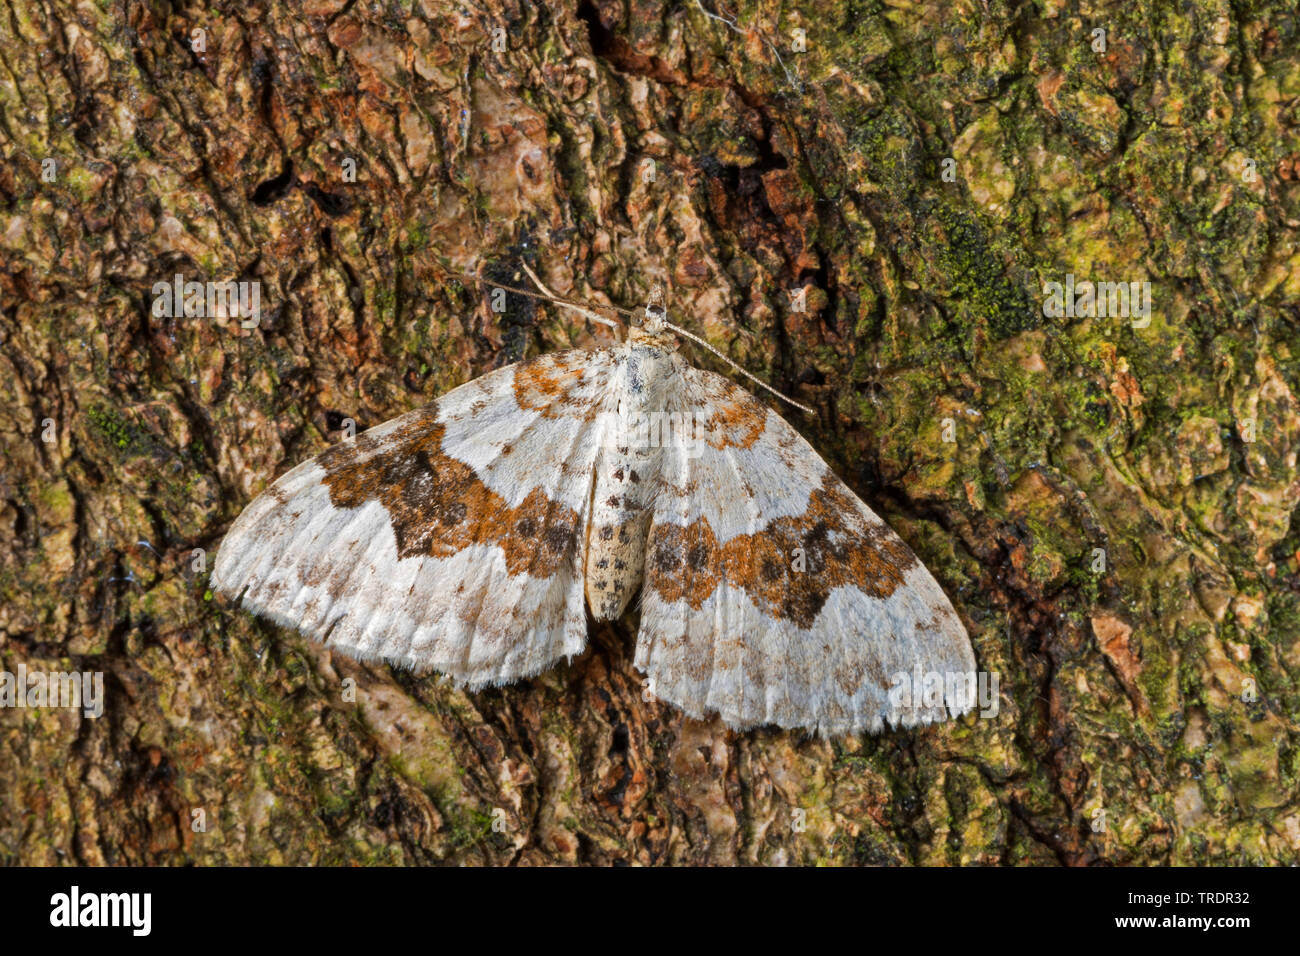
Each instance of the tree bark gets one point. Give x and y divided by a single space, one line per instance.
1107 501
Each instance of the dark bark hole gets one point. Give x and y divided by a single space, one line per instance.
601 36
768 157
619 743
711 166
275 188
332 204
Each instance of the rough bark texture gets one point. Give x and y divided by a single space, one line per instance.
1149 706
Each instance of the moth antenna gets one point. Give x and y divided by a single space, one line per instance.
552 297
658 315
548 297
753 378
655 302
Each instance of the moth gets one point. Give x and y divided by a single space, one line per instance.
472 536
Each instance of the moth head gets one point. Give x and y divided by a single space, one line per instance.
650 325
654 315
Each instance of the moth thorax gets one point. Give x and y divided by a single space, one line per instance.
661 338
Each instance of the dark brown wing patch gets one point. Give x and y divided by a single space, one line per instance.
839 548
438 505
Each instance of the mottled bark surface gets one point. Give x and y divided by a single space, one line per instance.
1149 697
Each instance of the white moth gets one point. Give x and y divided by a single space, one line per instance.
469 537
